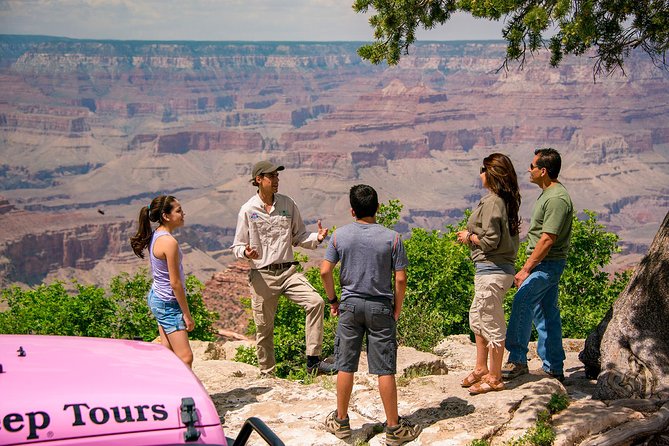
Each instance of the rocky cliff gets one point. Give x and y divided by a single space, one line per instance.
86 125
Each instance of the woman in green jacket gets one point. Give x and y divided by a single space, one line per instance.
492 236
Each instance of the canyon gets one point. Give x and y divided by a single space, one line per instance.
90 131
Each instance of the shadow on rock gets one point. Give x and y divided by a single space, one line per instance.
237 398
449 408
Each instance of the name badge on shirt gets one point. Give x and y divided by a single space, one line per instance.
254 216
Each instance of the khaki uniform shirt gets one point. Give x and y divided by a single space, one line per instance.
273 234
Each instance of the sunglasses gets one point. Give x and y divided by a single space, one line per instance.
534 166
482 169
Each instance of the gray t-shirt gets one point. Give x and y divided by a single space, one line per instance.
369 253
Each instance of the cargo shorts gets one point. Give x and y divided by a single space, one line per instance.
373 317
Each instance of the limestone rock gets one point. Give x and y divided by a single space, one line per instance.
588 417
427 395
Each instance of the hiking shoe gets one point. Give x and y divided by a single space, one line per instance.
404 432
558 376
322 368
340 428
512 370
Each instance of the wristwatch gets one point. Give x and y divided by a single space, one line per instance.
333 301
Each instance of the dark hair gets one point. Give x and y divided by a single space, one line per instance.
364 200
147 214
550 160
502 180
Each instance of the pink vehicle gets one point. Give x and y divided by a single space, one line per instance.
60 390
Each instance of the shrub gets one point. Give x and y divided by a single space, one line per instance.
91 311
557 403
440 287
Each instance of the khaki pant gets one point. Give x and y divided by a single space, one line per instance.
266 287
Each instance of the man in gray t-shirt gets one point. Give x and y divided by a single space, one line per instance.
370 256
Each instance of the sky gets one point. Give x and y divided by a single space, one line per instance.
252 20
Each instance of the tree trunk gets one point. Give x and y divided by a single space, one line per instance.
591 355
635 346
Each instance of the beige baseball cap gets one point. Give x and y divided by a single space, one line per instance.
262 167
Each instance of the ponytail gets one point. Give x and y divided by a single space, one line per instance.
147 214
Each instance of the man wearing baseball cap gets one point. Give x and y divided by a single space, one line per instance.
268 226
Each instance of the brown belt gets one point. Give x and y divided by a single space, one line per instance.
278 266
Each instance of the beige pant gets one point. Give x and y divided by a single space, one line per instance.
266 287
486 315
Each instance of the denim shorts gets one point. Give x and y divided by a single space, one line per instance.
167 313
374 317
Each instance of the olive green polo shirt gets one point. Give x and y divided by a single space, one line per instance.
553 213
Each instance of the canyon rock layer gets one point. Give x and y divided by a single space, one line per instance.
90 131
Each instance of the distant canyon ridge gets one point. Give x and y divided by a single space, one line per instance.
90 131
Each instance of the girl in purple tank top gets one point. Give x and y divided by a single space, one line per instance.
167 297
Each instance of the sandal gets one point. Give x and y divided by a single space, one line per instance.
486 385
472 379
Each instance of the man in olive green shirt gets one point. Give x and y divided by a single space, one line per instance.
537 297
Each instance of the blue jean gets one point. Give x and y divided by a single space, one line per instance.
537 301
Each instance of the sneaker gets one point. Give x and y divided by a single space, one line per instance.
322 368
512 370
404 432
340 428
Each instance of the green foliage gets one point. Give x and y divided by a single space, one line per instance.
91 311
203 318
587 292
479 442
246 355
542 434
134 318
557 403
611 28
389 214
439 283
49 309
420 325
440 287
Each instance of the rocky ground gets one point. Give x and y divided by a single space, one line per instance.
429 394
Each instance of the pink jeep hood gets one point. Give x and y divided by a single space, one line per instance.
60 389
